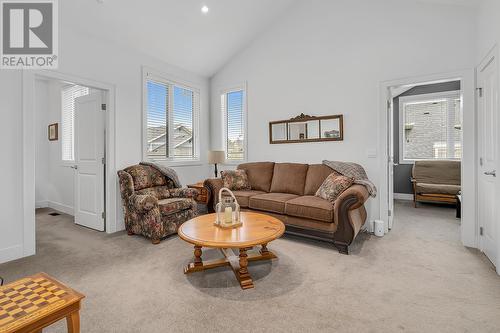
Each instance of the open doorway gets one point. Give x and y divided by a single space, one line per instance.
70 150
426 142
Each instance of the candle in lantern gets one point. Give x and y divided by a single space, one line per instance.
228 215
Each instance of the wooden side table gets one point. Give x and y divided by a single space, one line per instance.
35 302
203 195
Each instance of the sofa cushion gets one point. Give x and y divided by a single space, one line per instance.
333 186
235 180
289 178
243 196
437 172
270 202
316 175
145 176
424 188
310 207
260 174
174 205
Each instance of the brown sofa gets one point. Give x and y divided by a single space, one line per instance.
436 181
286 191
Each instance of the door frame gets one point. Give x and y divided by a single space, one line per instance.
28 156
493 54
469 225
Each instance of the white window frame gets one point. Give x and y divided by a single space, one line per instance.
149 74
423 98
225 91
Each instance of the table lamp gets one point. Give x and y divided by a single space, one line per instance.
215 157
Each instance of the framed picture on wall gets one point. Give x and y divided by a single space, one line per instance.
53 132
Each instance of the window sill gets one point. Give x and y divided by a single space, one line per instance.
428 159
177 163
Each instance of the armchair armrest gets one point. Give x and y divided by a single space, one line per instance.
143 202
349 215
213 187
183 192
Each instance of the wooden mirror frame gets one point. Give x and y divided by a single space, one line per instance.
303 118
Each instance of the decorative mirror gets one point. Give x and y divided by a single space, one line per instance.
304 128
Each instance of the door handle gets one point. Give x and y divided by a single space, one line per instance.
74 167
491 173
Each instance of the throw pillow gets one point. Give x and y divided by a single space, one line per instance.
333 186
236 180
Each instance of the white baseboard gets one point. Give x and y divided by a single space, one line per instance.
61 207
11 253
403 196
42 204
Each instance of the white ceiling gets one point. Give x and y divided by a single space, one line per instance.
175 30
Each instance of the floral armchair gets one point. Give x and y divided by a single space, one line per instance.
153 206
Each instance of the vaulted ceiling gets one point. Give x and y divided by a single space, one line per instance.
176 31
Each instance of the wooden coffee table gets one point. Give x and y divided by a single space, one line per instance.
257 230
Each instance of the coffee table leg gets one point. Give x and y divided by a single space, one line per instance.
197 256
243 275
264 250
73 322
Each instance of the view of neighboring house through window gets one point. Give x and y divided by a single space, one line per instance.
171 118
68 96
431 126
233 108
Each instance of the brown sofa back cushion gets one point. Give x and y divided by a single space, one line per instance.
260 174
316 175
289 178
437 172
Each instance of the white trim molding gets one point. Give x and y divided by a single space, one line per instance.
28 181
403 196
170 80
224 91
422 98
467 84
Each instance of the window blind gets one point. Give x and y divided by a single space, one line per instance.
172 118
432 129
68 96
232 104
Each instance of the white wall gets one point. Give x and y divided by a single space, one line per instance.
42 143
99 60
54 181
11 228
329 57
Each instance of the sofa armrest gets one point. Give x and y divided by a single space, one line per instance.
349 215
213 187
143 203
183 193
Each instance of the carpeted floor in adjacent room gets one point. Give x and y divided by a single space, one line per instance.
418 278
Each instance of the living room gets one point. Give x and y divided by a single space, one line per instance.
293 94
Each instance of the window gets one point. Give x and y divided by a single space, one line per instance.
68 95
171 117
431 126
234 114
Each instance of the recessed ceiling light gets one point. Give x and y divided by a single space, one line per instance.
204 9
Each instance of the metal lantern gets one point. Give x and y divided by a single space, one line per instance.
227 211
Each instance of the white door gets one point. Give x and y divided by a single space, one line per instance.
89 160
487 81
390 126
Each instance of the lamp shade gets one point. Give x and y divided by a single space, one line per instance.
216 156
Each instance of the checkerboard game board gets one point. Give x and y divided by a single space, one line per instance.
29 299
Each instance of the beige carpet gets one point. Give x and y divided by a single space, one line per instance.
418 278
